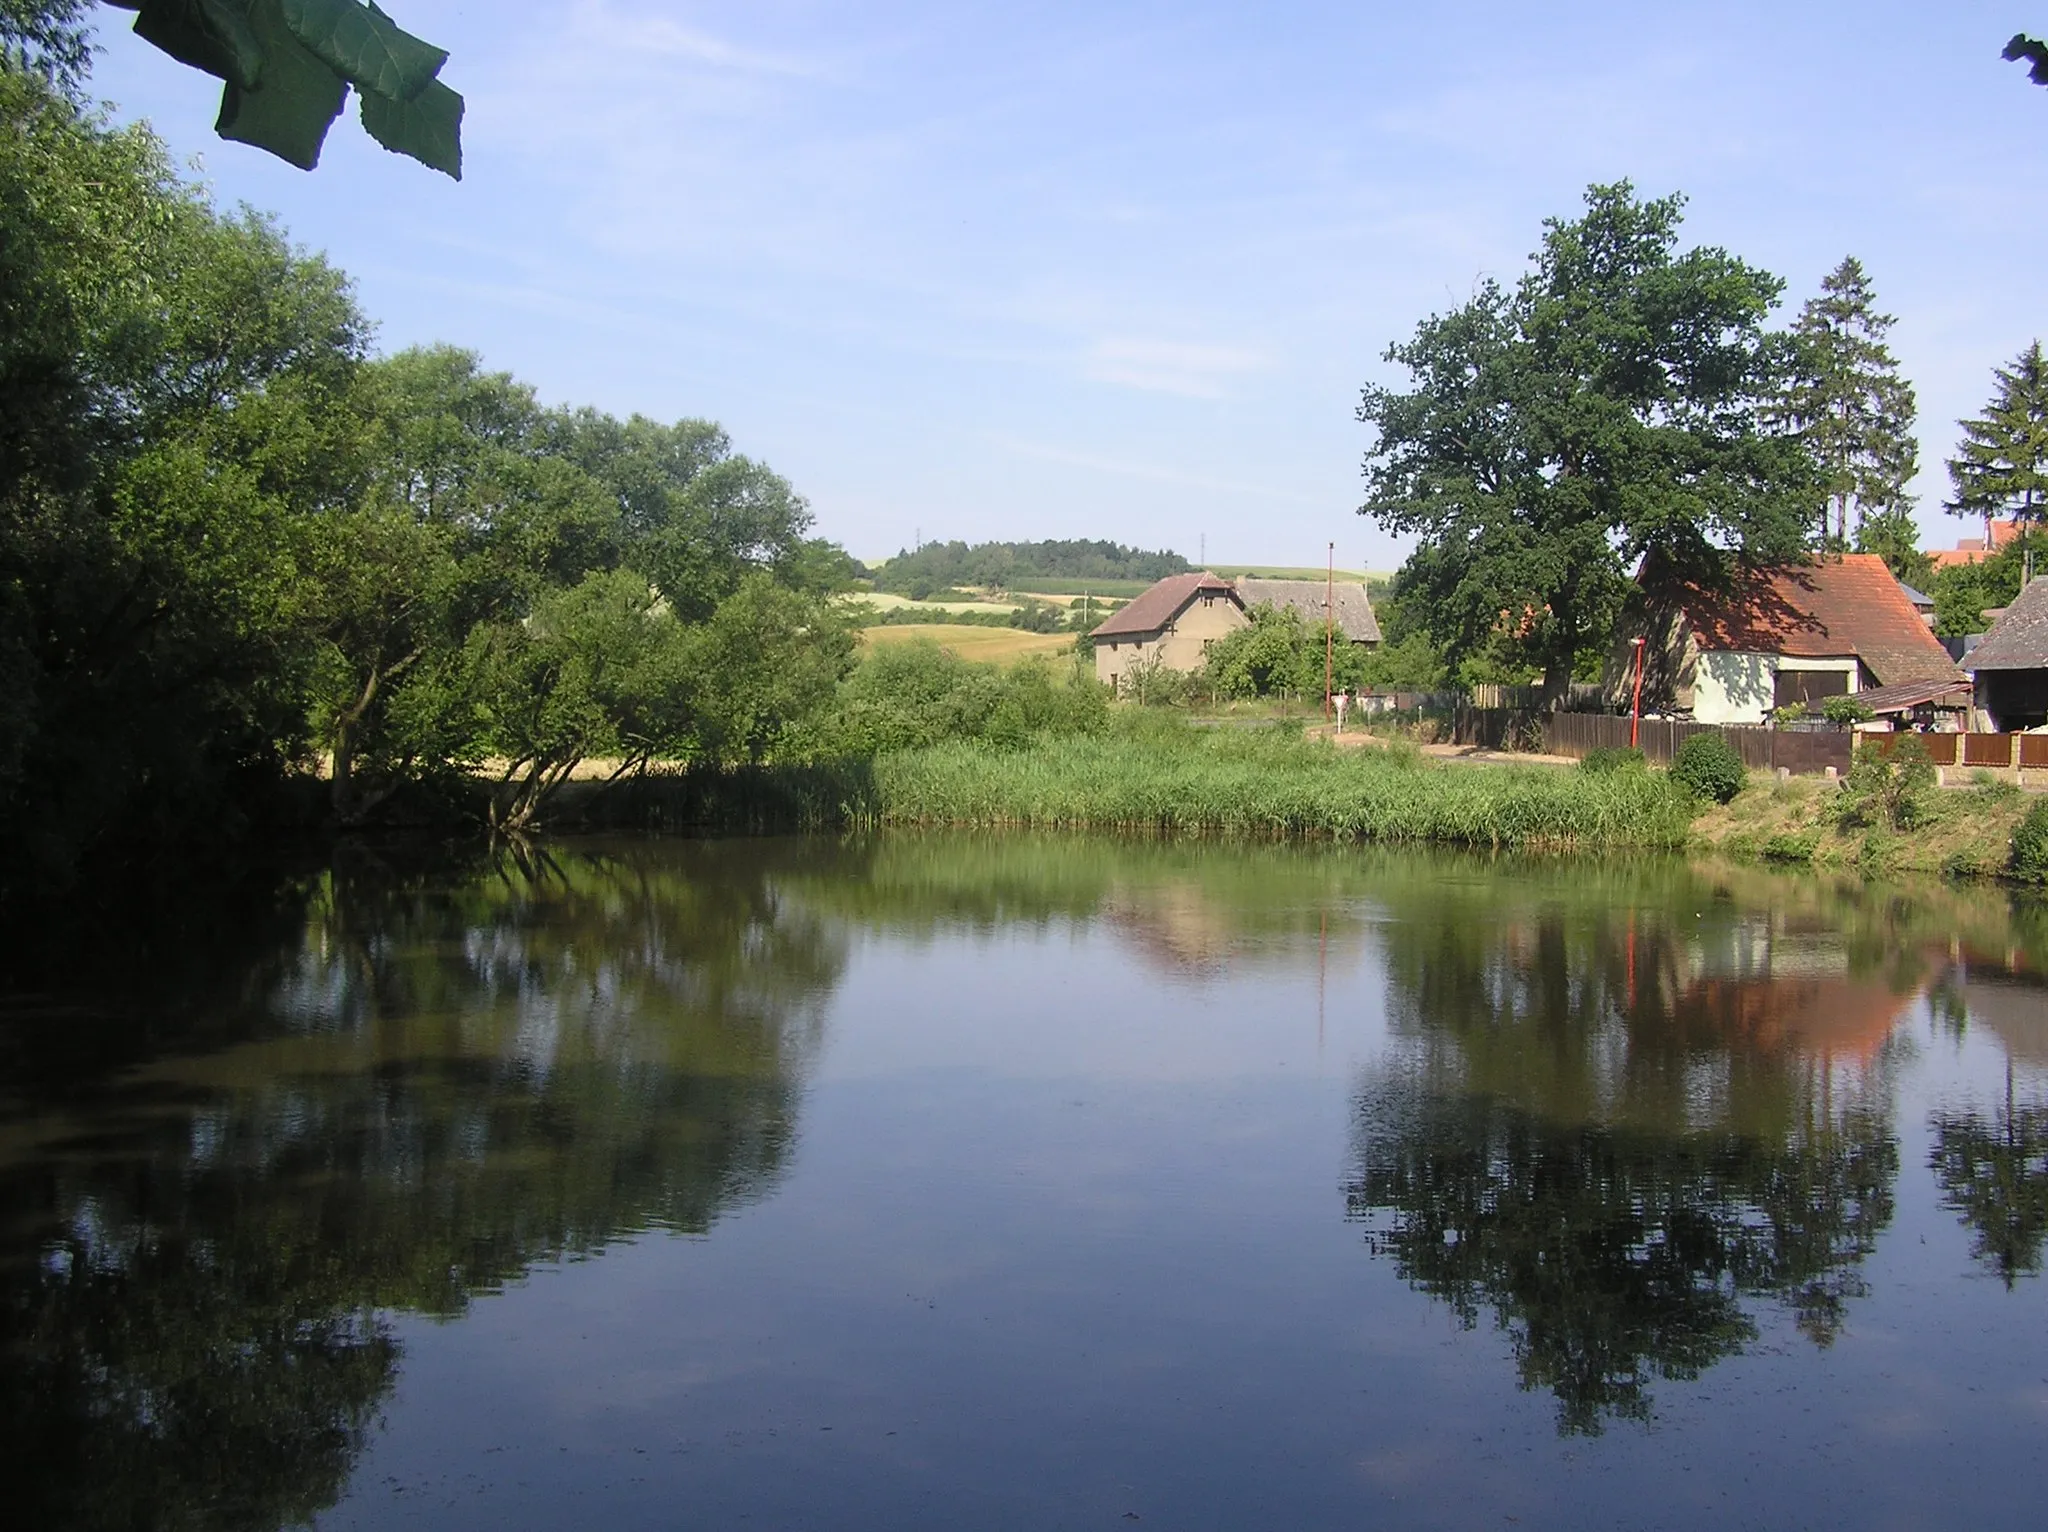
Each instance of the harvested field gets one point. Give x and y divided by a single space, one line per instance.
990 645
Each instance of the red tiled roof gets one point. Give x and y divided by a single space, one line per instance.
1157 607
1836 606
1972 550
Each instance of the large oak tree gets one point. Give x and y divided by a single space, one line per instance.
1613 405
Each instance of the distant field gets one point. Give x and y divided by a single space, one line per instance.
882 601
970 643
1294 572
1038 585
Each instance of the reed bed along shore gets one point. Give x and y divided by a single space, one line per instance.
1227 784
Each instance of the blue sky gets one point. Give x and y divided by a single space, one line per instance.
1118 270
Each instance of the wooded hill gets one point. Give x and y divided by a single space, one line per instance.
1015 566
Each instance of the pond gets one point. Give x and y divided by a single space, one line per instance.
1029 1182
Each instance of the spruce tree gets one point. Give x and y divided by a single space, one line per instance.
2001 466
1855 414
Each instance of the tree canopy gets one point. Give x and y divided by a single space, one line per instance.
233 543
1006 566
2000 469
1614 405
1854 411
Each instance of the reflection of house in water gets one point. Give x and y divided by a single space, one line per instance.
2013 1008
1758 982
1182 928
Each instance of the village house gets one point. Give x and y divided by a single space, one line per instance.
1172 625
2010 665
1974 550
1797 634
1356 621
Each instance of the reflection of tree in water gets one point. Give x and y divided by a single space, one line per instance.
1587 1138
1993 1172
453 1078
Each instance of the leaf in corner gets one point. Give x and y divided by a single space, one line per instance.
299 98
364 46
428 127
211 36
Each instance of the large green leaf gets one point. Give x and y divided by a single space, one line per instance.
363 46
299 97
428 127
213 36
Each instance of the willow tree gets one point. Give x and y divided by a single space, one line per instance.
1616 403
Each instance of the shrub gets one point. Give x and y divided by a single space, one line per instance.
1791 712
1708 767
1791 846
1892 788
2030 846
1846 711
1610 758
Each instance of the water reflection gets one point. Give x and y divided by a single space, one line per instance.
1611 1123
448 1076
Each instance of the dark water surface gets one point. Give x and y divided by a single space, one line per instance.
978 1183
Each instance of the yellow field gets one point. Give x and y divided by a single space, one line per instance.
883 601
971 643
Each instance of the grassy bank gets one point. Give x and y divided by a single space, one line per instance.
1270 785
1956 831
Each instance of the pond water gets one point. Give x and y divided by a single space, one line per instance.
971 1182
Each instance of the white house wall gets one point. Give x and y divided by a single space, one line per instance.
1740 687
1732 687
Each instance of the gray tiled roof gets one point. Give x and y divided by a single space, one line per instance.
2019 639
1355 617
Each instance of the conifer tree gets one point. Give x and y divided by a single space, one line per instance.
2001 465
1855 414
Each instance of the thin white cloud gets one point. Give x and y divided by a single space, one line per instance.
1170 367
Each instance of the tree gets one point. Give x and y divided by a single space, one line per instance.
1963 592
1273 654
1611 407
2001 466
287 67
1853 411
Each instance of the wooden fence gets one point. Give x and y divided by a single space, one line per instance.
1799 751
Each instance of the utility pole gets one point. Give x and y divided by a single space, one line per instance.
1329 633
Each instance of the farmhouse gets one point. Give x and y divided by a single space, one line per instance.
1797 634
1356 622
2011 664
1170 626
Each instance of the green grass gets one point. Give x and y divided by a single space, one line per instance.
1271 786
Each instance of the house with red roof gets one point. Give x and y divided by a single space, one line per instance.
1798 633
1974 550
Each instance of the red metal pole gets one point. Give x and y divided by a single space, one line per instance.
1635 722
1329 633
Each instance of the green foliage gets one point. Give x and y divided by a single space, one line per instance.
1707 766
1014 566
1791 846
1612 758
46 38
2001 467
1888 788
1791 712
2029 861
1846 710
229 543
288 65
914 695
1853 411
1273 655
1964 592
1611 407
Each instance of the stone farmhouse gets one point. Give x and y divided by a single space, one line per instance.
1172 624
